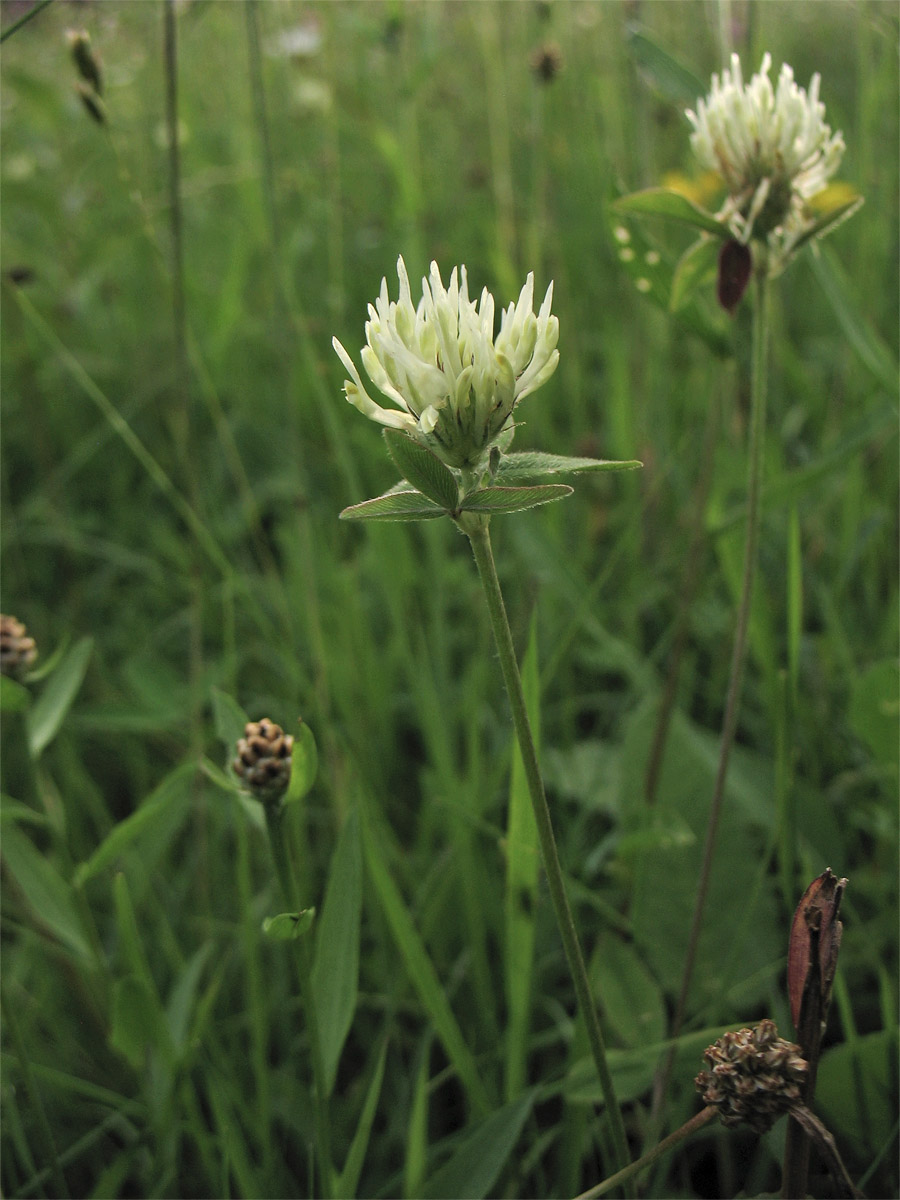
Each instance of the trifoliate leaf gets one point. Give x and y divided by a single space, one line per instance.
509 500
423 469
533 464
671 206
394 506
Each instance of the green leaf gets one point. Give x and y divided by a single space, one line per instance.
856 1090
527 464
55 700
696 267
288 926
513 499
423 469
631 998
335 973
671 206
136 1022
356 1156
304 764
13 696
394 506
229 718
474 1168
664 74
420 969
523 859
175 789
48 895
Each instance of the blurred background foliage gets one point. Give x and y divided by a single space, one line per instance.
175 451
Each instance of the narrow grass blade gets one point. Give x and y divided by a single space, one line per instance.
335 976
421 972
522 867
474 1168
356 1156
61 688
48 895
416 1159
174 789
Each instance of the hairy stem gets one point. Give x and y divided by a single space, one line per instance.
477 532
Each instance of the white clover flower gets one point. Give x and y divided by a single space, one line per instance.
772 148
453 383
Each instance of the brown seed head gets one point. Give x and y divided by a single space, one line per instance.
754 1076
263 759
17 649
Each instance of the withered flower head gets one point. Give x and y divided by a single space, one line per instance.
263 759
754 1076
17 649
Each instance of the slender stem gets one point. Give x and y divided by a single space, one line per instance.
758 367
24 19
703 1117
477 531
277 842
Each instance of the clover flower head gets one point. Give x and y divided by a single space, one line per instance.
454 384
772 147
754 1076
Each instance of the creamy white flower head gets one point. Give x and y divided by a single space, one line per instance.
453 383
772 148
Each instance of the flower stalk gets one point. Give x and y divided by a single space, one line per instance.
476 529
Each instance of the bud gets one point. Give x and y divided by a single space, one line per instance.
85 59
754 1076
17 649
263 760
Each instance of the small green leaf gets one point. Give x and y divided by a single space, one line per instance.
394 506
423 469
286 927
304 764
13 696
474 1168
356 1155
671 206
697 266
47 894
510 500
529 464
335 974
174 789
136 1022
229 719
55 700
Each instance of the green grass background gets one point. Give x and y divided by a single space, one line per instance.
180 510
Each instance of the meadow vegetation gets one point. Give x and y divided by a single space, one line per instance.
176 449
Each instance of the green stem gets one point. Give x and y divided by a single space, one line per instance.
477 532
278 844
689 1127
758 368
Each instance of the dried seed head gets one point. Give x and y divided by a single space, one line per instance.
86 61
17 649
263 759
754 1076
